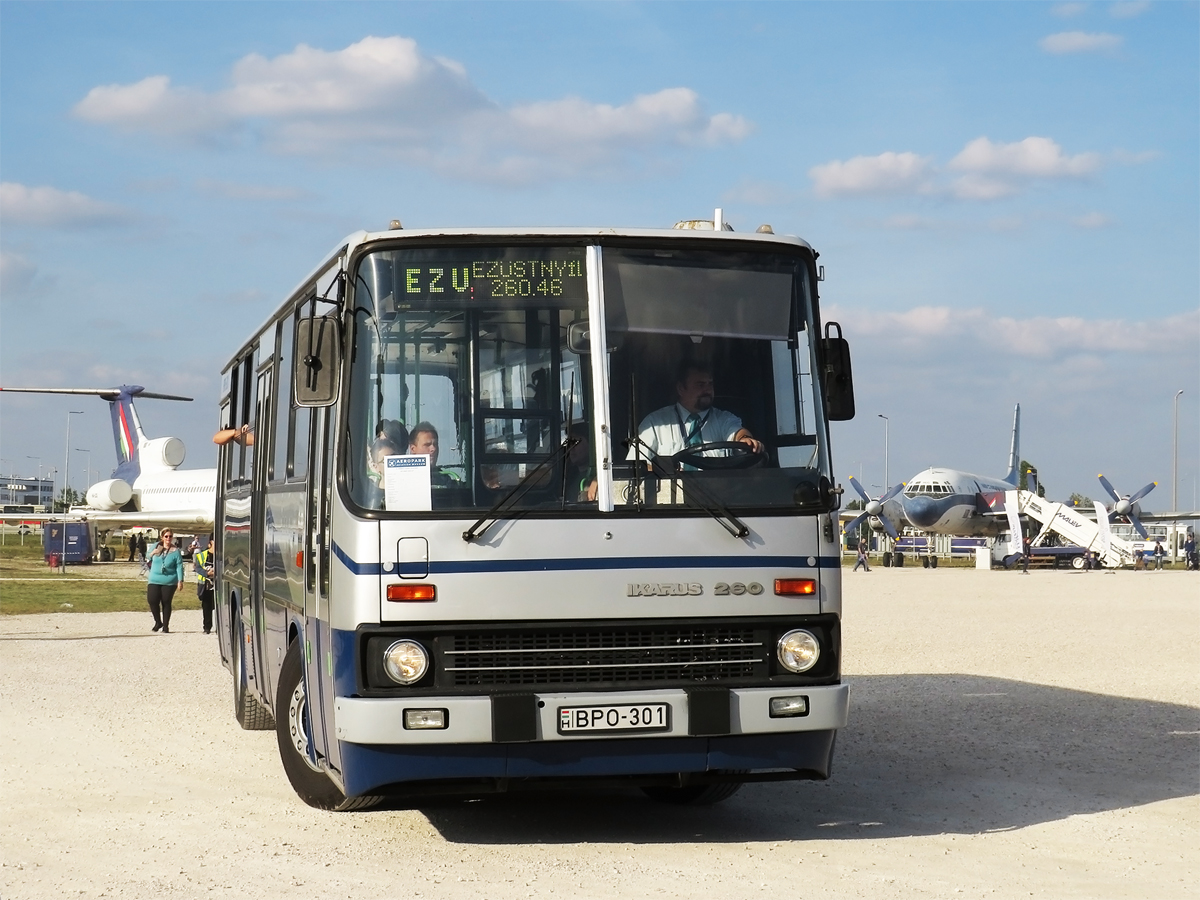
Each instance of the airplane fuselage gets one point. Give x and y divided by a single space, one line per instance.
949 501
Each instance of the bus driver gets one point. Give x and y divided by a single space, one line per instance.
693 420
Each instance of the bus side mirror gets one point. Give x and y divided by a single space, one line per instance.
318 361
837 381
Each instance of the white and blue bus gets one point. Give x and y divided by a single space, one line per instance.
478 530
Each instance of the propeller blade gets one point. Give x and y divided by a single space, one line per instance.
853 523
1108 487
889 527
1138 526
858 487
892 493
1143 492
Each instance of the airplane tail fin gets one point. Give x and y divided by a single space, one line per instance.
1014 453
127 429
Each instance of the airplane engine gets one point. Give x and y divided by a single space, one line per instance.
168 452
109 495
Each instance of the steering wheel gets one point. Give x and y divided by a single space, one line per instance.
736 456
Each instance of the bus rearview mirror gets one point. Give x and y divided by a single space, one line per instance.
318 361
837 381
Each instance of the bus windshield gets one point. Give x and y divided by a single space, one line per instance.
470 356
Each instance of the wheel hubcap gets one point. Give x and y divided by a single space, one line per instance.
297 724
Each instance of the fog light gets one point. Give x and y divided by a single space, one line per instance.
798 651
419 719
405 662
782 707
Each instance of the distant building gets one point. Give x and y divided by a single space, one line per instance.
27 492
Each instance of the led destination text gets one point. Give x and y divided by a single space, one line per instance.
499 278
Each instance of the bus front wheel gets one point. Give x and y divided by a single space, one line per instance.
693 794
294 732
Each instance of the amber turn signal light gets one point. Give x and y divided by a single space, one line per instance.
408 593
299 559
791 587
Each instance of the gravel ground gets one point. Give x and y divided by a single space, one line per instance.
1009 736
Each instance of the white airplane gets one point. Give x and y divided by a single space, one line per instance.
944 501
950 501
147 487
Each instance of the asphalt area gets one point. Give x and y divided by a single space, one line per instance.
1009 736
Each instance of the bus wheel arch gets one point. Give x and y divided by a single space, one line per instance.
292 730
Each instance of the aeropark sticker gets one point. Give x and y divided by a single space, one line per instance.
664 590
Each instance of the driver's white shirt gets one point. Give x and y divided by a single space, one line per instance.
664 429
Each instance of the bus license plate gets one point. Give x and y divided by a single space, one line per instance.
626 717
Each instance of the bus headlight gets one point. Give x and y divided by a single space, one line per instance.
798 651
405 662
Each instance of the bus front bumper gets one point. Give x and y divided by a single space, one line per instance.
535 717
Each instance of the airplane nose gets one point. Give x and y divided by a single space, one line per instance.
922 511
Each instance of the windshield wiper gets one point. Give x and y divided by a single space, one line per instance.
497 512
703 498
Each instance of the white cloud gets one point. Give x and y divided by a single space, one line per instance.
989 170
1034 157
1129 9
1079 42
234 191
384 93
887 173
978 331
1068 10
52 208
16 273
1092 220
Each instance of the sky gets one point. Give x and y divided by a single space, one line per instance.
1005 196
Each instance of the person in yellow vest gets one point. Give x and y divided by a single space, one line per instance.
202 562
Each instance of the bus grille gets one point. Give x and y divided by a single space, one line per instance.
604 657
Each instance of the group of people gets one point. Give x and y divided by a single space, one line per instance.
165 577
137 547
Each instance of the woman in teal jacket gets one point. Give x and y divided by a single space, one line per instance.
166 576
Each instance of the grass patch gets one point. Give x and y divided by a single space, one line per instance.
25 597
108 587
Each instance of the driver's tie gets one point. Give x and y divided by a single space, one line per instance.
693 436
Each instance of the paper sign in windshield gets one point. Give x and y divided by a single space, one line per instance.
406 483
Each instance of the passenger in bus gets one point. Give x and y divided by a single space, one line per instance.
380 450
243 435
692 420
392 430
424 440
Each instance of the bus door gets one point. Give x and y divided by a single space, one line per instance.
261 426
318 556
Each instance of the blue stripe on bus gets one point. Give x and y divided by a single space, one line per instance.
603 563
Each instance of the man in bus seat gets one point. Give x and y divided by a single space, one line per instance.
381 449
424 440
692 420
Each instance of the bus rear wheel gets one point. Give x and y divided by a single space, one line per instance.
294 733
250 714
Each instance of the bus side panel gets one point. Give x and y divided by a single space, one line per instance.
283 534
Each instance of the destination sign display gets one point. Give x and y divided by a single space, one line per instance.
471 276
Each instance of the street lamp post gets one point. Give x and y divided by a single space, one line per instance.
1175 479
87 474
67 488
887 482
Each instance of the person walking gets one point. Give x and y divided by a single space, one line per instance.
1159 555
202 562
166 577
132 547
1026 552
862 559
141 546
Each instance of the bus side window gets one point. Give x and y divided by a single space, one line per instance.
283 405
226 421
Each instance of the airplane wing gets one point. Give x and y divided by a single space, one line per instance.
186 520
